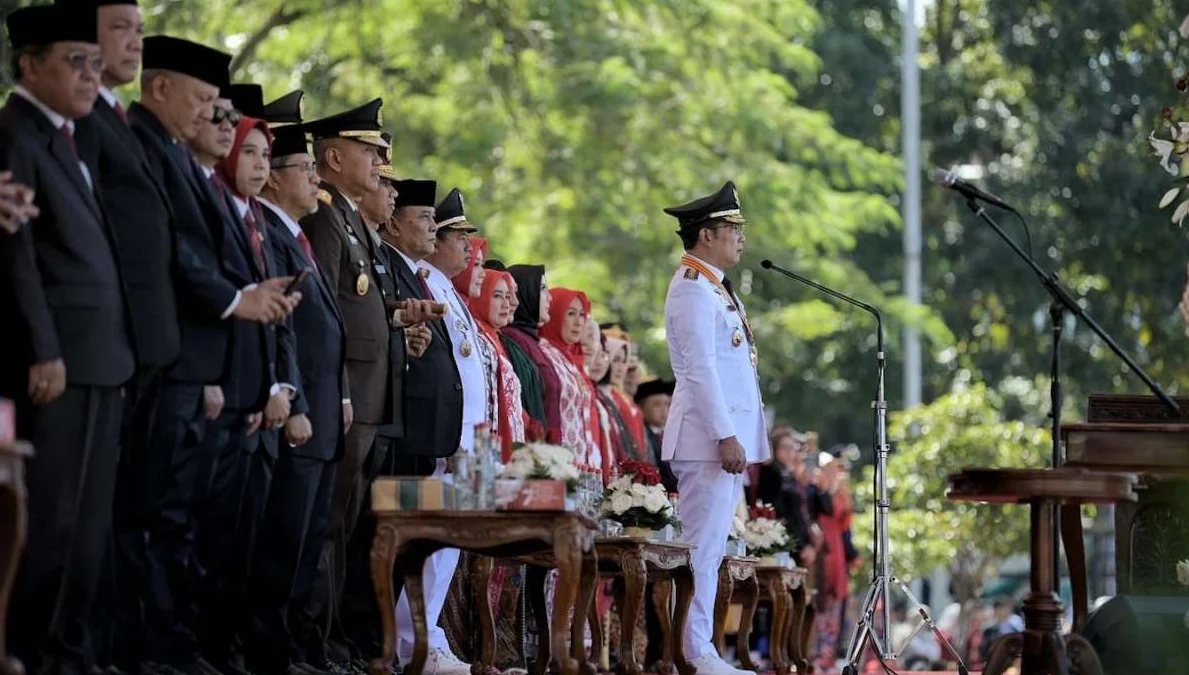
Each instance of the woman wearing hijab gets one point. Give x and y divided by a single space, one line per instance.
540 387
560 338
469 282
493 311
635 445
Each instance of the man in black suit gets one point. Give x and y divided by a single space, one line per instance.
433 396
67 353
297 524
179 85
138 211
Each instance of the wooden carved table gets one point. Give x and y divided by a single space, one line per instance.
733 571
404 539
1042 647
12 535
792 618
639 560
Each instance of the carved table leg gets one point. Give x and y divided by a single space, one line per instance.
1075 555
635 578
722 604
534 585
567 555
383 556
596 627
662 593
777 641
685 596
588 583
793 626
807 625
751 598
483 569
1082 657
1003 653
413 564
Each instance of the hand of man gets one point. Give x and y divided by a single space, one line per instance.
212 400
808 556
348 416
417 339
732 456
298 430
279 284
267 302
47 381
254 421
413 311
277 410
16 204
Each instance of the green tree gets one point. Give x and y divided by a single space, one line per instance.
966 427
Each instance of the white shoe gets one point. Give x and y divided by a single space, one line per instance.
711 664
443 662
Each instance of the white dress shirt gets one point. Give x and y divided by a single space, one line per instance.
464 333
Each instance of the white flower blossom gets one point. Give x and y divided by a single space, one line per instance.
1183 572
655 502
620 503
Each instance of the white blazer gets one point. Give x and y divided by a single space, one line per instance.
718 390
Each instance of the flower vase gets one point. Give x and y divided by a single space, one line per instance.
638 532
736 548
784 559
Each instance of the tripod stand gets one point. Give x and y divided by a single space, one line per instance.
878 595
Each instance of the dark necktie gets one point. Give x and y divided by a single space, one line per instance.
256 237
69 139
421 275
120 111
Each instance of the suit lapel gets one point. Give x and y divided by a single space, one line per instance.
59 148
281 231
417 291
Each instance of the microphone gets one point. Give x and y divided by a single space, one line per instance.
949 179
768 265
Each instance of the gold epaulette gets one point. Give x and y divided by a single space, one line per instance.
324 197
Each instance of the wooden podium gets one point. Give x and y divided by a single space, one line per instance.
1134 434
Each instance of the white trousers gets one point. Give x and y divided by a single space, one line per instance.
708 498
436 577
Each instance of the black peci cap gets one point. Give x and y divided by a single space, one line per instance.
47 24
653 388
247 98
416 192
162 52
289 140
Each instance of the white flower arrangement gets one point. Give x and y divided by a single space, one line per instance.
541 461
1170 143
635 501
1183 571
764 534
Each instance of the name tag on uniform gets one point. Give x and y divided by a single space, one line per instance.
380 268
353 239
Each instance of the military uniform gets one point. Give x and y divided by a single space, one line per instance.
714 359
351 267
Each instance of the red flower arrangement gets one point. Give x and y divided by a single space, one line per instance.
761 511
641 472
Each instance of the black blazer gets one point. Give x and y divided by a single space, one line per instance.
60 286
252 353
321 344
341 244
433 388
204 291
138 211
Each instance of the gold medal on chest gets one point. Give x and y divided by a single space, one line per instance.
362 284
465 348
737 338
755 358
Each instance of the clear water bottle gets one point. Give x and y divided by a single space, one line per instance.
675 499
464 464
485 472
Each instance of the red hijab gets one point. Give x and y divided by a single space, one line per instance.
227 166
481 306
462 280
560 300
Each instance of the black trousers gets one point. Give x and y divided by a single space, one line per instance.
230 512
157 546
289 557
357 469
71 481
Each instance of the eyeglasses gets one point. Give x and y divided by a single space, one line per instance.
80 61
222 114
308 168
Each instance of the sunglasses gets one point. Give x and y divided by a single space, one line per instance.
80 61
226 114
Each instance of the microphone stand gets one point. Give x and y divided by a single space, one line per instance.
878 594
1063 301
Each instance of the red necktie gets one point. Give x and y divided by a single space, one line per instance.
421 275
69 139
305 246
120 111
257 239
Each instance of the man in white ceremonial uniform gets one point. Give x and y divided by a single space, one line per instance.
716 424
